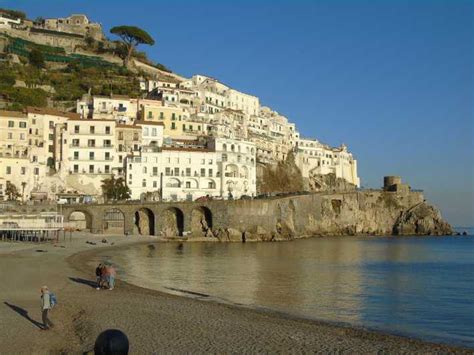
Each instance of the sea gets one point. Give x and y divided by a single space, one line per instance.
420 287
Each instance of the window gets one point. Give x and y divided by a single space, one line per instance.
210 185
91 143
91 169
176 171
155 184
120 135
144 183
91 156
173 125
76 168
107 129
145 131
92 129
173 117
76 129
76 155
135 136
144 170
10 135
107 156
51 148
9 170
167 171
75 142
51 124
11 124
155 171
120 159
153 132
203 161
224 157
107 169
23 124
23 170
51 137
150 115
36 171
107 143
188 184
120 148
210 161
161 115
188 171
35 159
210 172
203 172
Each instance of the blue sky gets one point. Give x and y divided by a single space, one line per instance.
391 79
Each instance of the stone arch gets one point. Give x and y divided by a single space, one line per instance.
173 183
192 183
201 221
114 221
172 222
145 221
80 220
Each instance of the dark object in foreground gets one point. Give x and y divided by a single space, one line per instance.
111 341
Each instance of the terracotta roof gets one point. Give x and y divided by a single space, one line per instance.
51 111
12 114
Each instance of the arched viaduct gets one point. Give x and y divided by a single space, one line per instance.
151 218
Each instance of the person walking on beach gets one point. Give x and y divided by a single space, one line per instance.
98 276
45 307
112 274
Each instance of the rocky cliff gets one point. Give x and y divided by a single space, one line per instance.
374 212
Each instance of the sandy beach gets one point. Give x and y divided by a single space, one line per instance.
153 321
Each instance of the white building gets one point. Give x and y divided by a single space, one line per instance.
312 157
186 170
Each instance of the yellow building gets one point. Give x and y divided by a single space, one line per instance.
172 117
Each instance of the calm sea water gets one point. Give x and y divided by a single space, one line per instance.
413 286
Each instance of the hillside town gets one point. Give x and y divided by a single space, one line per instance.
180 139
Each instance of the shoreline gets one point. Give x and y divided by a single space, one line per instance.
156 321
81 262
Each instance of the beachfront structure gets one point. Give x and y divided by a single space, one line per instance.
186 170
314 158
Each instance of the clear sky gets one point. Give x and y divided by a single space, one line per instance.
391 79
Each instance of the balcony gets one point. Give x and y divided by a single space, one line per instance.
110 146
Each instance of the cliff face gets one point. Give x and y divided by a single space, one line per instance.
332 214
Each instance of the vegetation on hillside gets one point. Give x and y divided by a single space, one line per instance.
282 177
68 83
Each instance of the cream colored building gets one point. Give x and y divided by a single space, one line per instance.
89 154
312 157
186 170
17 165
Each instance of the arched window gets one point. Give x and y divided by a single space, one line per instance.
224 147
232 148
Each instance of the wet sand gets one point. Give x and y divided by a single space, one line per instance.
153 321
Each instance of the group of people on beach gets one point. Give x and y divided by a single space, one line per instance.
105 276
